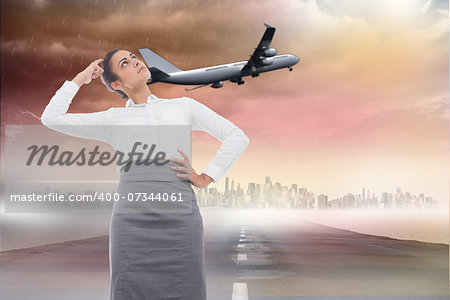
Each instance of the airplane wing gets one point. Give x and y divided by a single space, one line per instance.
255 60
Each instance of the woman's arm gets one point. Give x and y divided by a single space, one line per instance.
234 141
84 125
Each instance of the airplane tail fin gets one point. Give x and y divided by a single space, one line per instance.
158 66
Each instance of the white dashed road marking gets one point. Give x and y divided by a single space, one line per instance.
240 291
242 256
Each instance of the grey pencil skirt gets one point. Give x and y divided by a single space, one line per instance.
156 248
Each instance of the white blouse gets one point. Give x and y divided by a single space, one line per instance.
157 111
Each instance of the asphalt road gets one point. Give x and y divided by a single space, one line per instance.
263 255
273 256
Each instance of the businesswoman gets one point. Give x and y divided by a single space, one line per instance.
157 255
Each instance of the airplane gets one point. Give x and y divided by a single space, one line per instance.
263 59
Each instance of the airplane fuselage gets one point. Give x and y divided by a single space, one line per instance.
231 71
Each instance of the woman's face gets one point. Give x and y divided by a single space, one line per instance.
131 71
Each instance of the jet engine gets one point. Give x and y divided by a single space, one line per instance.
217 84
267 61
270 52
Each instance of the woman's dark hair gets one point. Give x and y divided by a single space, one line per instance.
109 76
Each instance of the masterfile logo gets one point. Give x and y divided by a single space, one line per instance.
68 158
57 170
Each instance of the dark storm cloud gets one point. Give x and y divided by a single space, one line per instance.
169 26
59 38
45 42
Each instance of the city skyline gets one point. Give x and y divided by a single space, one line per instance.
303 198
270 195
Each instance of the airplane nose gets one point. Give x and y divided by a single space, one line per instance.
296 59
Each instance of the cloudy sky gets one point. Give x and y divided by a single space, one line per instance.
367 106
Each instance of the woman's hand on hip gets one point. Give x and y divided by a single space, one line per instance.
91 72
199 181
